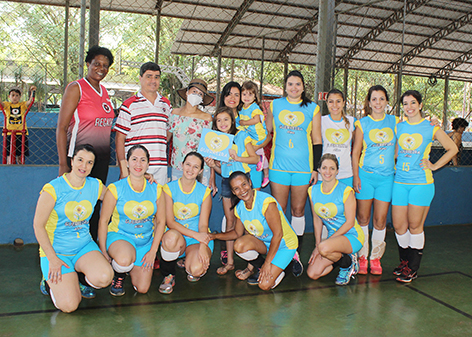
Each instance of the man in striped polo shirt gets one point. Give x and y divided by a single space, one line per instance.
143 120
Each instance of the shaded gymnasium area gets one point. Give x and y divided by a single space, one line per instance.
438 303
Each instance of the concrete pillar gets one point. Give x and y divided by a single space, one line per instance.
445 107
94 23
326 41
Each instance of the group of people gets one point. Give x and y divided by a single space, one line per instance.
343 166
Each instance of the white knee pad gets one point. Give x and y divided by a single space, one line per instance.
378 249
278 279
365 248
169 256
250 255
90 283
53 299
379 235
403 239
223 224
298 225
121 269
324 233
417 241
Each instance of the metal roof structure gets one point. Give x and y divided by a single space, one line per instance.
437 35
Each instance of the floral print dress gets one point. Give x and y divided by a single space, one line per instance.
186 132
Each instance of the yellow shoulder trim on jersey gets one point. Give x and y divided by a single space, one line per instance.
346 193
51 191
167 191
112 189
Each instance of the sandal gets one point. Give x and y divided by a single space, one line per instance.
244 274
181 263
224 269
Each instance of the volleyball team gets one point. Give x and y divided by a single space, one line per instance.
347 168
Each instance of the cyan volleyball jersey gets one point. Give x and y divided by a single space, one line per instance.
187 206
414 144
330 207
378 145
292 148
68 224
256 224
239 145
134 212
337 140
258 132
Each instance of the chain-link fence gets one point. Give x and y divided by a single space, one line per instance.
33 44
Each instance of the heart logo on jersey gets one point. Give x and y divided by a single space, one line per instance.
182 211
254 227
337 136
380 136
410 142
78 211
139 210
291 118
326 211
216 142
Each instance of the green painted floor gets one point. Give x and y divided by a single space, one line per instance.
438 303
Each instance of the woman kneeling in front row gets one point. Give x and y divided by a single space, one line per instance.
270 233
333 205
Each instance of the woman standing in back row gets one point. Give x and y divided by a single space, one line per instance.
413 188
373 161
296 150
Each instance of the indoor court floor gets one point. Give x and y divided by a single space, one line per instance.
438 303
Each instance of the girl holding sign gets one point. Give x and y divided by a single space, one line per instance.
242 154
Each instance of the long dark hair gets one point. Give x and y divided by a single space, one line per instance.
137 147
367 108
296 73
343 114
234 199
227 110
225 92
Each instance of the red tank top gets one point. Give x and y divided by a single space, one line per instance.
92 120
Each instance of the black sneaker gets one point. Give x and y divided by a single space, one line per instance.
297 266
407 275
399 270
116 288
252 280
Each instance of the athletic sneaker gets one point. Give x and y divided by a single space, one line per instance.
363 265
192 278
86 291
265 182
224 257
407 275
375 267
345 274
167 285
43 287
297 266
116 288
260 166
355 263
399 270
252 280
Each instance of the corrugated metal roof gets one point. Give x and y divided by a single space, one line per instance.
438 33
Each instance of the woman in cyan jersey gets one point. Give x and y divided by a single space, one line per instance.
188 207
413 188
269 232
296 149
137 211
61 226
373 166
334 205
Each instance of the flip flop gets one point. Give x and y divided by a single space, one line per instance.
243 274
224 269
